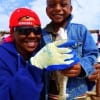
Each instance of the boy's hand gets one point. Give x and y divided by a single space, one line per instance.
73 71
96 74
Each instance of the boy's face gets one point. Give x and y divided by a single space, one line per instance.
58 10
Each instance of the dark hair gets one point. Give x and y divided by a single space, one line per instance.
70 1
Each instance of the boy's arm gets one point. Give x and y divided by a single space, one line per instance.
89 51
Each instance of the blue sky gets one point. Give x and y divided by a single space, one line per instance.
86 12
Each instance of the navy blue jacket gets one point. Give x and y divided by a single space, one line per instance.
19 80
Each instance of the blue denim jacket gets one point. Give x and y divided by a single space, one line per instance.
86 50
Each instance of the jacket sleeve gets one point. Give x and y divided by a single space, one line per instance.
89 51
25 84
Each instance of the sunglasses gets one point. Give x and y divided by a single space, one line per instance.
28 30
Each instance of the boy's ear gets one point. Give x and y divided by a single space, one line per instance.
71 8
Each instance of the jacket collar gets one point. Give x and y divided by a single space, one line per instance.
49 27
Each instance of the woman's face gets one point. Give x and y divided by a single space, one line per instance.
27 38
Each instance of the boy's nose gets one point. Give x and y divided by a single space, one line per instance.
58 6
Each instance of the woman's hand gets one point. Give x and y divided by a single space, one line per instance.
73 71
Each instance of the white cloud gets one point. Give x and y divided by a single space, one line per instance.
4 22
1 9
87 12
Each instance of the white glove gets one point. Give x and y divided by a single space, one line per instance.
50 54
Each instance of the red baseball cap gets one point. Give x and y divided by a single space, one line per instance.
23 12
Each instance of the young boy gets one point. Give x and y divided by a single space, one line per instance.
59 11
